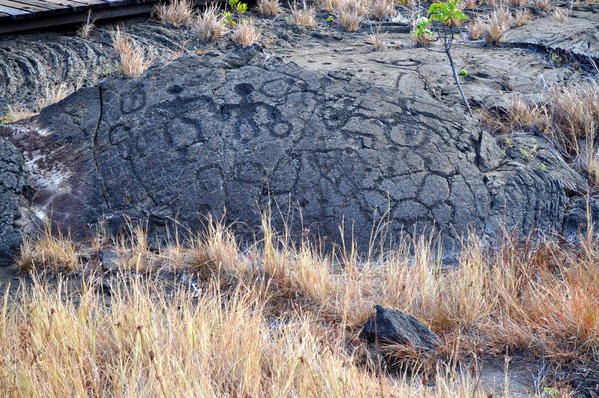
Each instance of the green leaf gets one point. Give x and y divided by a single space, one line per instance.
422 27
447 12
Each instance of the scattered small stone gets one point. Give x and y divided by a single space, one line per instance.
391 326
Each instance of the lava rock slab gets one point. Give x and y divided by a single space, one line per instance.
232 135
391 326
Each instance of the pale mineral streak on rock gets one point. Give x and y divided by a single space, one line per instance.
244 130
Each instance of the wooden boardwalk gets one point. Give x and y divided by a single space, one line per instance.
18 15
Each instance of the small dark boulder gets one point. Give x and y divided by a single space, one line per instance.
391 326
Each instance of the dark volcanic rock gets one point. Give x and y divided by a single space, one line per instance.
33 64
391 326
576 220
240 132
578 37
12 181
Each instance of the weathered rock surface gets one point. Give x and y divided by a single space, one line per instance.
12 180
31 64
240 131
40 62
391 326
578 37
576 221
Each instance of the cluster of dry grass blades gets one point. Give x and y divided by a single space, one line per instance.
569 116
209 25
303 16
51 95
132 57
281 320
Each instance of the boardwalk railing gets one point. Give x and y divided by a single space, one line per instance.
18 15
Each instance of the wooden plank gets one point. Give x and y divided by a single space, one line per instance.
16 19
12 11
21 6
71 18
36 3
74 3
84 3
65 4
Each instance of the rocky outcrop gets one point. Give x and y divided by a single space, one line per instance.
13 178
576 38
42 62
244 131
391 326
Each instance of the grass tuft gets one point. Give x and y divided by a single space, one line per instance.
328 5
522 17
245 33
277 319
55 253
175 13
543 4
561 14
132 58
302 16
268 7
496 25
377 39
349 15
382 9
209 24
474 29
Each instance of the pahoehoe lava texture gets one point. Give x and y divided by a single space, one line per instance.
239 131
42 61
12 181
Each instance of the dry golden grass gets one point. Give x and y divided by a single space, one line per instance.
471 4
561 14
87 28
16 113
365 7
540 298
523 115
496 25
268 7
132 58
50 95
519 3
245 33
53 94
328 5
377 39
54 253
155 343
175 12
522 17
589 158
569 116
349 15
209 24
424 39
382 9
301 16
475 29
543 4
574 112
